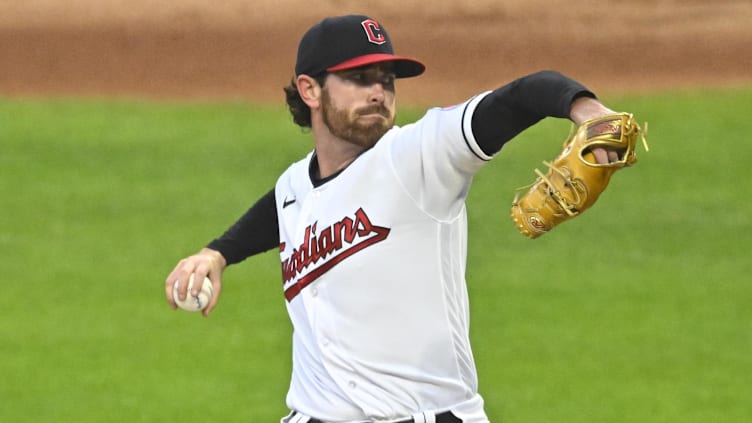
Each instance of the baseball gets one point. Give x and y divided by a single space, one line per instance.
198 302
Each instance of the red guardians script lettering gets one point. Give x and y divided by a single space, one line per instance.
330 246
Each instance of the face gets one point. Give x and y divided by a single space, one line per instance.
358 104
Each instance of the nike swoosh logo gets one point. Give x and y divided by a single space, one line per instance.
287 202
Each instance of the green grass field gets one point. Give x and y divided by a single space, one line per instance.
638 311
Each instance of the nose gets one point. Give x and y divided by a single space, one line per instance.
377 93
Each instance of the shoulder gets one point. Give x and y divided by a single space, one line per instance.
440 129
297 171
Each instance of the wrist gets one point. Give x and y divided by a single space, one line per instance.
586 108
216 257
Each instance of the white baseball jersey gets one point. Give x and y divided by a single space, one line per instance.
373 265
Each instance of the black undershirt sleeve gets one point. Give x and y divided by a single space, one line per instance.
255 232
499 117
514 107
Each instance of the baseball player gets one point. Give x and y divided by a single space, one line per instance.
371 228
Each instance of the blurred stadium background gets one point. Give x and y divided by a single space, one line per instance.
246 49
133 131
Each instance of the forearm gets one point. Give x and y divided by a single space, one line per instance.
514 107
255 232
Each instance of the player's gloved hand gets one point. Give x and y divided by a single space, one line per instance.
575 179
606 155
205 263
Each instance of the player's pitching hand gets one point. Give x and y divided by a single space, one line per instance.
206 263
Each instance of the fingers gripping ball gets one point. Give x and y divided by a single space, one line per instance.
575 180
200 301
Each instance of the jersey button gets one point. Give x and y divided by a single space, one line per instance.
352 384
314 292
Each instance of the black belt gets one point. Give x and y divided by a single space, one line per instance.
445 417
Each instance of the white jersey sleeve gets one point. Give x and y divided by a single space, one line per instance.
436 157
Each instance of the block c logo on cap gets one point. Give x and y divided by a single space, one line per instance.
373 31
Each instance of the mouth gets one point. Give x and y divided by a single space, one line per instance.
372 116
374 112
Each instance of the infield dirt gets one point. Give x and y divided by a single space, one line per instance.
245 50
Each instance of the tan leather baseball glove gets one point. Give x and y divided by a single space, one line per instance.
575 179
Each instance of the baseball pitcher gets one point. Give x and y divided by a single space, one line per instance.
371 225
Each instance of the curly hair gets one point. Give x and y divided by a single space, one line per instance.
301 113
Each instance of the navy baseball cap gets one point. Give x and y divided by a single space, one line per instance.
345 42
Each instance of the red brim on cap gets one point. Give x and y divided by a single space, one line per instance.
404 67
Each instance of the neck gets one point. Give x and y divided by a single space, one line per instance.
333 153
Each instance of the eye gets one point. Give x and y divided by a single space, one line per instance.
357 77
369 78
388 79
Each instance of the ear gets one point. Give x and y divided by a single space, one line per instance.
309 90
